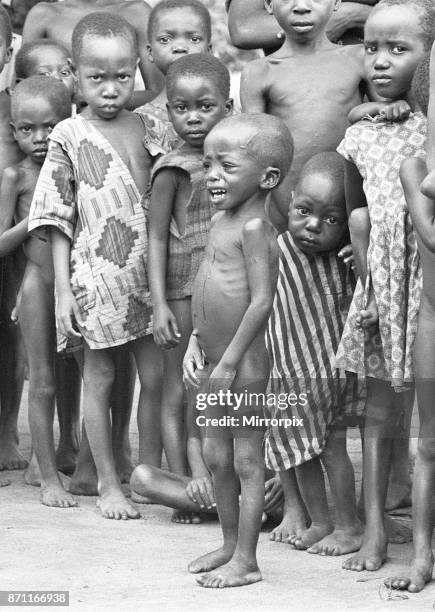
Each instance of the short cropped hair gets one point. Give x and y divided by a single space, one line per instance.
5 26
420 83
102 25
168 5
271 142
49 88
331 165
427 16
199 65
24 60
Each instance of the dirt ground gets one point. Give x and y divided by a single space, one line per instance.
141 565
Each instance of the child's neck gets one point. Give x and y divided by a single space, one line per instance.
255 206
300 46
188 148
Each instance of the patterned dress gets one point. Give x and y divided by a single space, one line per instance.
186 250
385 351
309 311
87 192
168 136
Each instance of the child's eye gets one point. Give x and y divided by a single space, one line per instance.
180 107
206 106
398 49
25 129
163 40
65 73
228 166
196 39
206 165
303 211
123 77
96 78
370 49
331 220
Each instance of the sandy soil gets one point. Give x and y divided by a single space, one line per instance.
141 565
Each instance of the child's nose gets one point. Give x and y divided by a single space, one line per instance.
193 117
314 224
179 47
301 6
381 60
40 135
110 90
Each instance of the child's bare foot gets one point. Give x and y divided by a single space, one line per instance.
186 518
53 494
339 542
289 526
420 575
371 556
233 574
114 505
397 532
140 499
310 536
210 561
4 482
10 456
66 459
398 496
32 476
84 481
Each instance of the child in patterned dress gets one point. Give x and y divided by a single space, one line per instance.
379 334
90 193
179 222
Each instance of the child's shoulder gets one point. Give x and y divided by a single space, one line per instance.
189 161
257 68
13 174
44 11
258 228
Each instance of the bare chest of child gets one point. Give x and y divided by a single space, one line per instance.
9 151
221 291
126 134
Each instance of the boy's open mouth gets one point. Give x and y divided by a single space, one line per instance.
217 195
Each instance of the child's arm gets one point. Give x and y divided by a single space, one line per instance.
260 259
35 25
251 26
163 195
67 309
359 221
421 208
388 111
349 14
11 236
252 87
428 184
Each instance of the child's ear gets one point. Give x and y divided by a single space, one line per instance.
270 178
268 6
8 55
14 129
71 65
150 53
229 107
210 48
337 4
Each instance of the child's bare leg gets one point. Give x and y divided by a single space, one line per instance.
121 401
399 486
312 487
172 413
381 419
98 377
424 472
293 522
12 365
68 387
219 456
242 568
37 324
348 530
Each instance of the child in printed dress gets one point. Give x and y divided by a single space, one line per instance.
12 356
179 222
245 158
90 194
38 104
379 334
422 209
302 343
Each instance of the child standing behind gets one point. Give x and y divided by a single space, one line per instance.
179 223
89 191
245 158
379 334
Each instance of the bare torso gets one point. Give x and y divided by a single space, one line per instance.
10 154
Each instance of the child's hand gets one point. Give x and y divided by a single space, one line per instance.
200 491
396 111
193 360
221 378
346 254
67 315
166 334
427 187
273 494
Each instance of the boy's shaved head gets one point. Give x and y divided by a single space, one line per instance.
427 16
5 26
268 138
49 88
199 65
420 83
28 52
167 5
101 25
331 165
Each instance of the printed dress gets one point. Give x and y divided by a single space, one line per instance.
385 351
163 127
186 250
87 192
311 303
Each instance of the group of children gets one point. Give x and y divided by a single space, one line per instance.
213 247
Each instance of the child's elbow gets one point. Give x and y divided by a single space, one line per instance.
241 35
359 222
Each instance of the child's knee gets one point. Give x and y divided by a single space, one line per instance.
426 449
248 466
100 378
216 456
43 390
142 479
